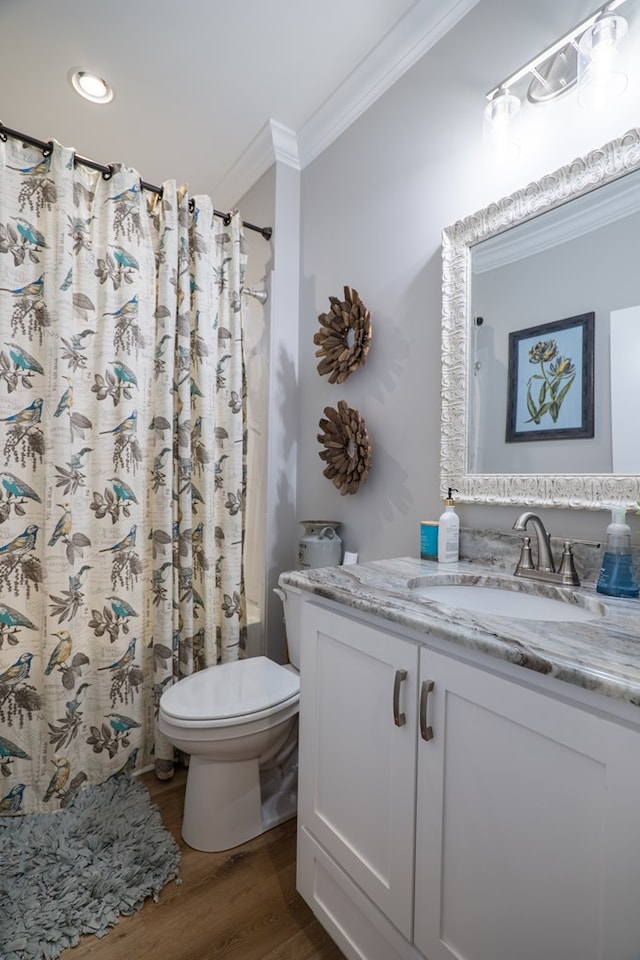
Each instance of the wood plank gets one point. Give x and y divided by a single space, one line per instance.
240 904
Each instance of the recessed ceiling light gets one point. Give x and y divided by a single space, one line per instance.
90 86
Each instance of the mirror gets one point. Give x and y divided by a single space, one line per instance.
541 406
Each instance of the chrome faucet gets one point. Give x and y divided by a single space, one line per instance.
545 568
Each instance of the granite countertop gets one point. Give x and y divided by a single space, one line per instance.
601 654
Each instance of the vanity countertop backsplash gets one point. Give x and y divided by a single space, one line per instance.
600 654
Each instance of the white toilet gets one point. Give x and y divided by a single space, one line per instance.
238 721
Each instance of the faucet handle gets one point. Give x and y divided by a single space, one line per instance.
526 560
567 572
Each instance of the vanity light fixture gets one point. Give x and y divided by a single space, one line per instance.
90 86
499 128
602 61
592 54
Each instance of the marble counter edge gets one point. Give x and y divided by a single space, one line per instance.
379 588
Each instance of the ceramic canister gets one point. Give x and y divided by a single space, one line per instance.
320 545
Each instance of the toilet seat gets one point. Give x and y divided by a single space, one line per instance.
233 693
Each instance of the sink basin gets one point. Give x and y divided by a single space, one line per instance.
507 599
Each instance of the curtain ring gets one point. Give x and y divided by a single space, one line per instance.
48 149
108 173
3 135
226 219
192 205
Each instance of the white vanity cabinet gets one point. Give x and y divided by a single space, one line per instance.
357 779
528 825
512 832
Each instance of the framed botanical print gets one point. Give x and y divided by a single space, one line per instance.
550 384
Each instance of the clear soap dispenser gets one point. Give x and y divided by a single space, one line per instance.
617 578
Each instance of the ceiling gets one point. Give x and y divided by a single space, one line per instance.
198 82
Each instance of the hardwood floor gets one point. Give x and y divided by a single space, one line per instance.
237 905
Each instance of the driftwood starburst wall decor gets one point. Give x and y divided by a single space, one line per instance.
347 448
344 336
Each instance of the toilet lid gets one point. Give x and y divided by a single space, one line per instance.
232 689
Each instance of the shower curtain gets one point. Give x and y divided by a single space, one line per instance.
122 466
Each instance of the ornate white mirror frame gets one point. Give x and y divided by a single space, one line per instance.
591 491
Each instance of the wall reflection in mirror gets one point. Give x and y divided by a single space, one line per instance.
578 258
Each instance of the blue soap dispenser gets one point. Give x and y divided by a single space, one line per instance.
617 578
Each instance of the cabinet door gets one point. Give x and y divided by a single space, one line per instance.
357 760
528 829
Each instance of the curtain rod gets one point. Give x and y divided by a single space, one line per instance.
107 169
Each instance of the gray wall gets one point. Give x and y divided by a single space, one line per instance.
258 207
373 208
279 187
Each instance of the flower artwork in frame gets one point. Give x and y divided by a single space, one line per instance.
550 387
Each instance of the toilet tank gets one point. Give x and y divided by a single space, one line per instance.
292 599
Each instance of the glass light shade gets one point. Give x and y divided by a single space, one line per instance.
500 129
602 62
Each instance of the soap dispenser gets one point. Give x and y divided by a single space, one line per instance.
449 531
617 578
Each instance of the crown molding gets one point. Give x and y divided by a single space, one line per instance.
414 34
426 22
274 142
285 145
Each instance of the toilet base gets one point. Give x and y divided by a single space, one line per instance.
224 805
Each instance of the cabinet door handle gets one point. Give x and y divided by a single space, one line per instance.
398 718
426 732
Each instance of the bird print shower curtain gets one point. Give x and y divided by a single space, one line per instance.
122 465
